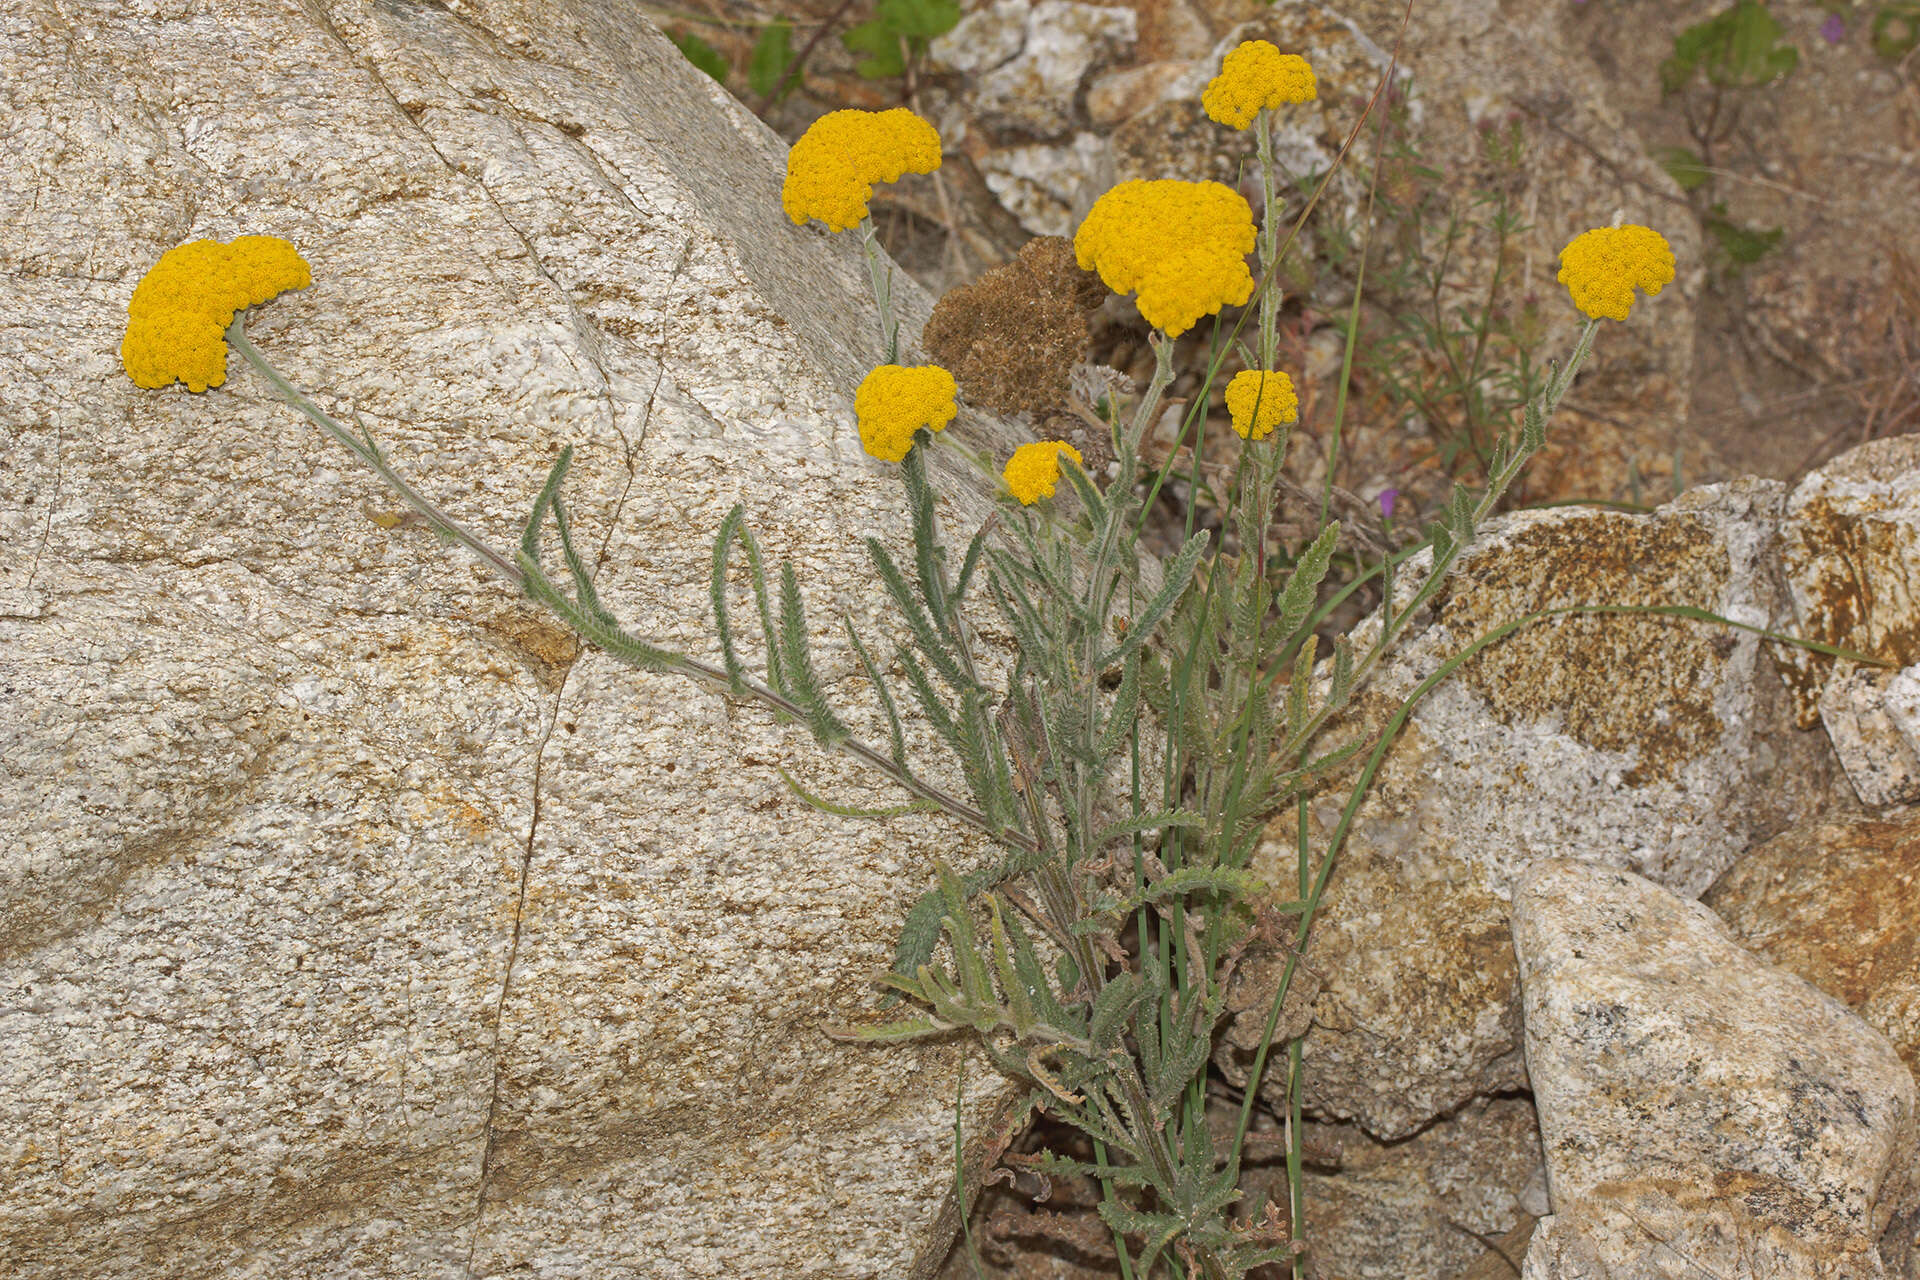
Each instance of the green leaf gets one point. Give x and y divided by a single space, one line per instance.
701 54
1178 575
894 735
1159 1229
1126 710
850 811
919 19
1737 48
1896 30
881 44
1303 586
1177 1072
804 684
530 539
968 565
1033 980
1055 1166
1744 245
889 1032
1238 884
772 55
1110 1010
927 554
1684 166
1149 822
722 542
925 631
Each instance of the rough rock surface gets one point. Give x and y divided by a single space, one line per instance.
1835 902
353 922
1848 546
1657 745
1701 1110
1418 1209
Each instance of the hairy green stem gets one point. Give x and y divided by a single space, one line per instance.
530 581
882 277
1391 625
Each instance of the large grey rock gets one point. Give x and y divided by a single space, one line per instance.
353 922
1702 1111
1657 745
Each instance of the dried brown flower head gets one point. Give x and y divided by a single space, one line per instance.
1012 336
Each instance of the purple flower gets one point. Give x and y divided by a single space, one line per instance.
1386 502
1833 31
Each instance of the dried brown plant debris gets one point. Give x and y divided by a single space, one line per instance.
1011 337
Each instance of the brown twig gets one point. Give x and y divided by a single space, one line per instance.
795 67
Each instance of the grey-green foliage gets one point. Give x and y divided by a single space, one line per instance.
1090 956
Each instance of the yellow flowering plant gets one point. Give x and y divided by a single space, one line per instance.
1034 469
1091 956
833 169
894 403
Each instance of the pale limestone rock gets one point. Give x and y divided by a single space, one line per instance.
1049 188
1657 745
1054 43
352 921
1701 1110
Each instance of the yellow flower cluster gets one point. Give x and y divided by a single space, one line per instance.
895 401
1034 469
832 169
181 308
1181 245
1259 402
1253 76
1602 267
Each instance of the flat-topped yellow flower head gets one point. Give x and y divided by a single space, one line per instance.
1602 267
180 310
894 401
1253 76
832 170
1034 469
1181 246
1259 402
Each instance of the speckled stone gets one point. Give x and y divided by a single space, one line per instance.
1848 546
1657 745
353 921
1418 1209
1835 902
1692 1097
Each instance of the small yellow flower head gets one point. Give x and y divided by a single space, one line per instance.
1034 469
1259 402
1182 246
1602 267
180 310
1253 76
894 401
832 169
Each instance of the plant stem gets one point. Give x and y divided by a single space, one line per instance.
882 277
538 586
367 453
